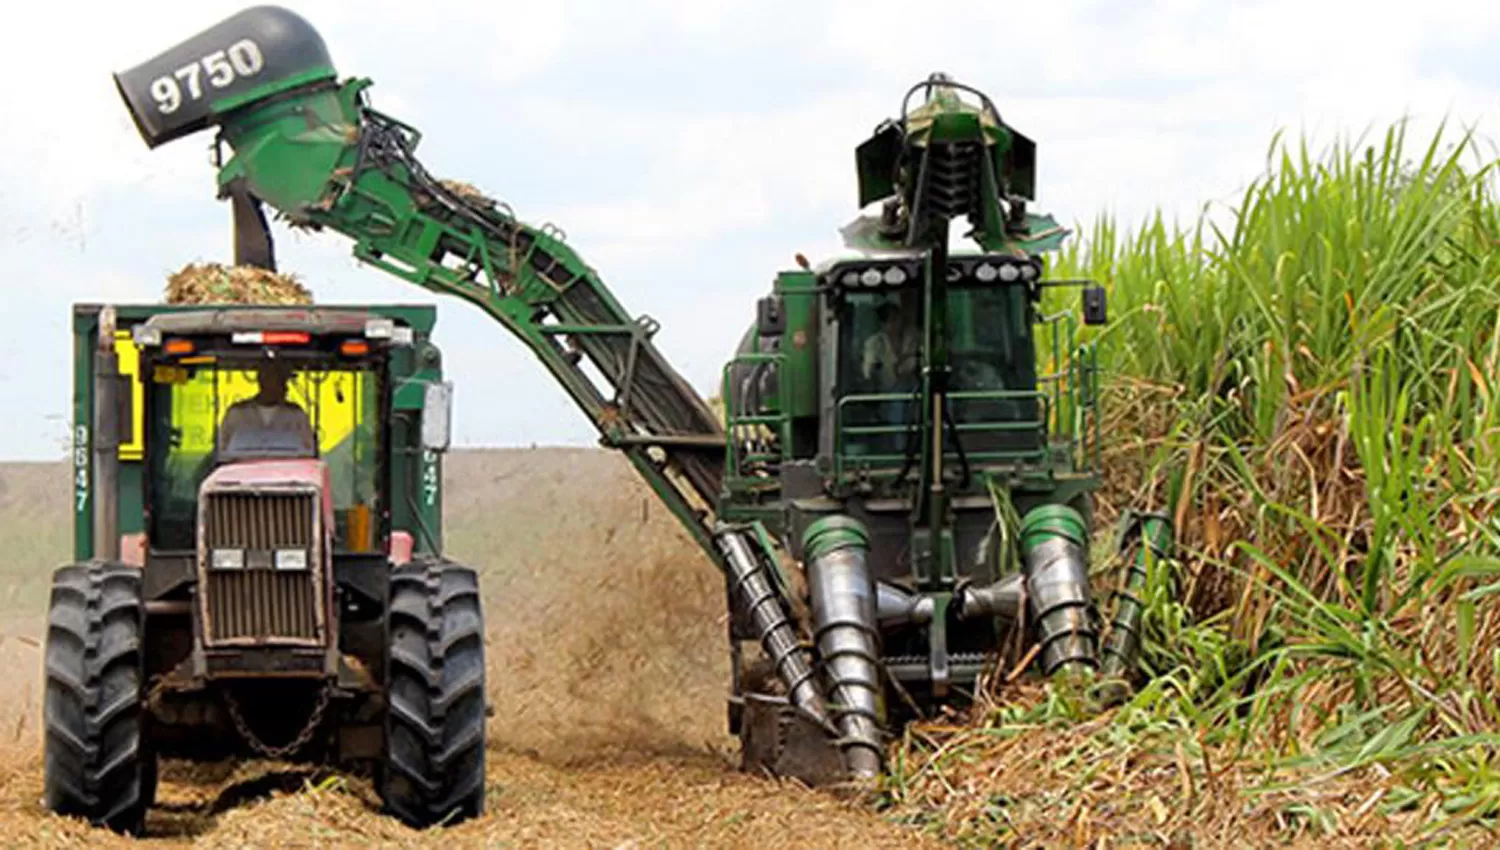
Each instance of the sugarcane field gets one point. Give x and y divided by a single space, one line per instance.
684 424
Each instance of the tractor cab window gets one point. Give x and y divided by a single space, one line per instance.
208 411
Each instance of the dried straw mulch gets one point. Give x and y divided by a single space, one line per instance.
212 283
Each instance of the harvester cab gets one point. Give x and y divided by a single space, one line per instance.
259 564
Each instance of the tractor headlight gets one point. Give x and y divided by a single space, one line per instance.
228 559
291 559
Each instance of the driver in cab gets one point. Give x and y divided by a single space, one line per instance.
892 353
268 416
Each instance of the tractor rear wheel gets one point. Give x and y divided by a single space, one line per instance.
98 764
433 771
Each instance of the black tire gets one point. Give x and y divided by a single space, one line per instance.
433 771
98 764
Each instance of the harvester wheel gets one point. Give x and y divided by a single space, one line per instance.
433 771
98 764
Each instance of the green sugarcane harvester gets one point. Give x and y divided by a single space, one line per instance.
887 426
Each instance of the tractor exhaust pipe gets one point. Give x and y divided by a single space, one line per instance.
747 574
107 426
1054 547
1151 536
844 614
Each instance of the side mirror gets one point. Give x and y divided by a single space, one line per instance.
770 320
1095 310
437 415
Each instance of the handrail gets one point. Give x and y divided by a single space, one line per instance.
842 459
734 421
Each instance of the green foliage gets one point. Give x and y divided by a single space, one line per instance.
1308 384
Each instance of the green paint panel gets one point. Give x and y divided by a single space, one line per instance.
1050 521
834 532
798 372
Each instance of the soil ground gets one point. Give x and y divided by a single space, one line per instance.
608 669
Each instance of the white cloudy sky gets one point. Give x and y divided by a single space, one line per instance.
689 148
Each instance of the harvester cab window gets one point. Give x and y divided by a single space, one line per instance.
882 340
992 344
209 411
993 356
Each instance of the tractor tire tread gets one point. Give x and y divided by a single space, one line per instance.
434 769
97 765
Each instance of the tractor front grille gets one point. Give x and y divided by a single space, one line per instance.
256 600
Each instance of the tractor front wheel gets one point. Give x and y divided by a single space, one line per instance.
433 771
98 764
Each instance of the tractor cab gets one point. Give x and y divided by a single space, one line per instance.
252 402
267 435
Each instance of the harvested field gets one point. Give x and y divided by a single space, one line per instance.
607 673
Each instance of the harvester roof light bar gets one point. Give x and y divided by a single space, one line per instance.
874 276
